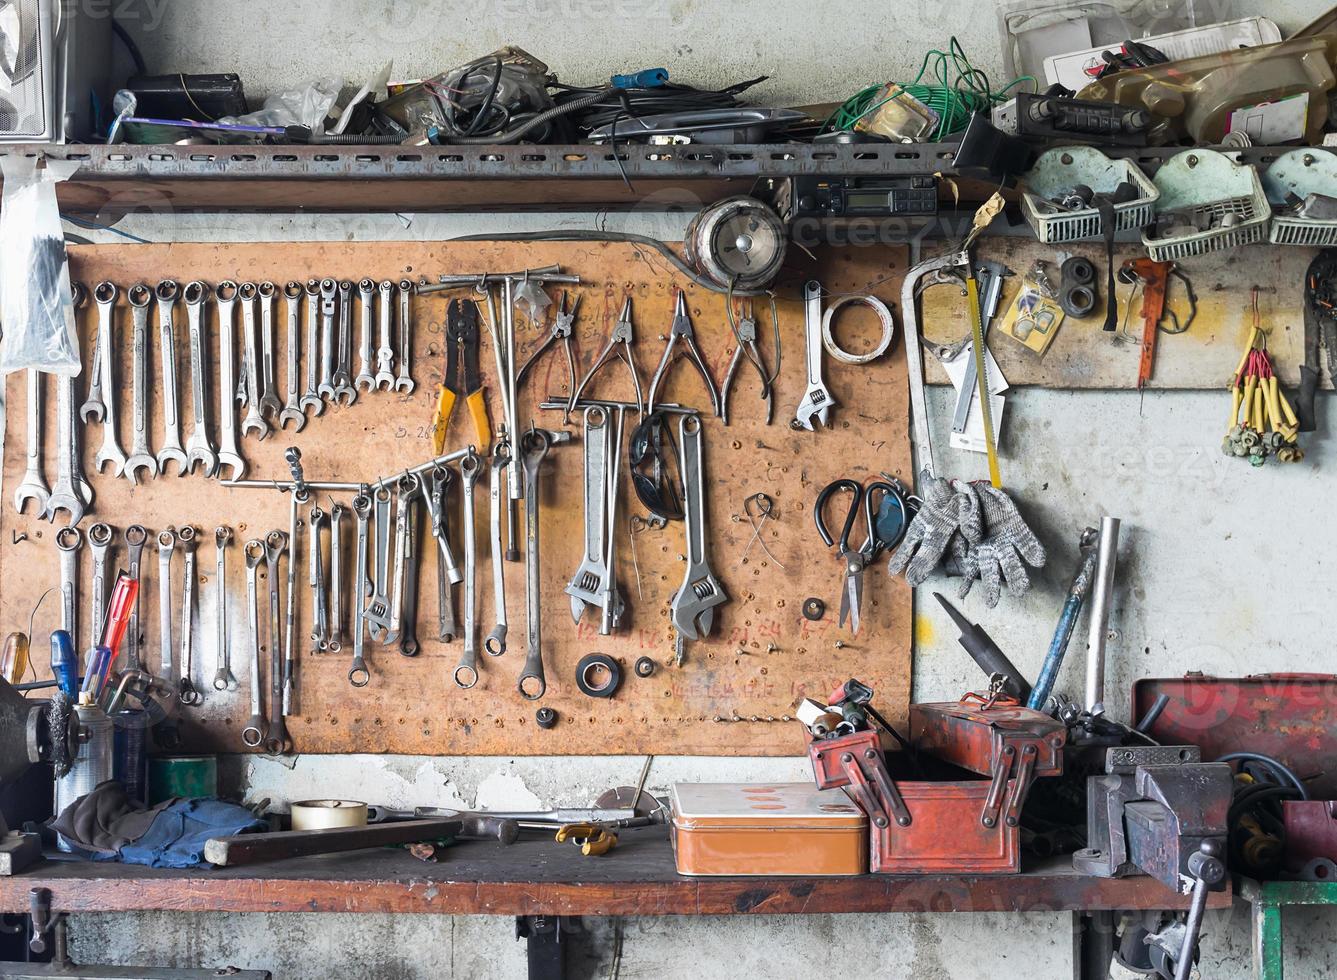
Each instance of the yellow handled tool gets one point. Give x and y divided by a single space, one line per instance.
593 839
462 378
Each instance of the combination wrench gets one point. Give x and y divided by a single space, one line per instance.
534 446
140 458
320 628
385 351
377 612
111 452
404 380
292 408
466 672
335 587
366 294
94 407
99 541
311 397
447 573
410 489
328 292
69 540
254 732
166 546
407 486
817 401
254 420
358 675
299 497
224 679
270 406
228 454
171 450
199 449
135 538
495 643
71 492
187 693
276 736
343 369
33 486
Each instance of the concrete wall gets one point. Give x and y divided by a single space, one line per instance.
1215 574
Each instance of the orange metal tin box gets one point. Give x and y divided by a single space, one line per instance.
767 829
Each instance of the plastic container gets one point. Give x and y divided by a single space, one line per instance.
1299 173
767 829
1057 171
1205 182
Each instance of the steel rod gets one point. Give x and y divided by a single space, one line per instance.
1098 631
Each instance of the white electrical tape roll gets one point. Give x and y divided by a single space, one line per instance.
883 314
324 814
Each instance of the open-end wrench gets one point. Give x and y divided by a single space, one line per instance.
693 609
254 732
166 545
311 397
69 541
534 446
105 296
366 294
224 679
447 573
292 407
320 627
404 380
199 448
358 675
590 580
329 290
270 406
817 401
140 458
99 541
385 351
135 538
466 671
343 368
33 485
495 643
335 586
94 408
410 488
276 738
377 612
186 692
84 489
254 420
171 450
70 492
228 453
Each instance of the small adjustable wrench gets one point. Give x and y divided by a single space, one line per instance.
292 408
311 397
135 538
817 401
358 675
33 486
385 352
171 450
343 369
328 291
404 380
69 540
254 420
199 450
187 692
166 545
591 578
99 540
224 679
254 732
228 454
466 672
276 738
366 293
693 608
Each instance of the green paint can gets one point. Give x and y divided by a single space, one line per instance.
191 776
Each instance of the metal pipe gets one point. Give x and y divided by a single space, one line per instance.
1067 621
287 486
1098 630
560 405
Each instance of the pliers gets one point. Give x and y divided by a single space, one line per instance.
682 330
855 559
561 330
619 345
462 378
746 336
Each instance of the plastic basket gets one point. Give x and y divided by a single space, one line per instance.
1299 173
1205 182
1057 171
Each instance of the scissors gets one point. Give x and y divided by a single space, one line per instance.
855 559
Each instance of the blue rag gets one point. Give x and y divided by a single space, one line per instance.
176 837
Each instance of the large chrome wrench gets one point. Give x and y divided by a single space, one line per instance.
320 626
70 492
377 612
466 671
366 293
228 453
693 609
329 290
254 732
385 352
171 450
94 408
404 380
111 451
817 401
292 407
199 448
495 643
588 584
276 737
140 458
410 569
408 487
135 538
187 693
166 546
343 368
270 406
254 420
224 679
99 541
358 675
335 586
33 485
534 446
69 541
311 397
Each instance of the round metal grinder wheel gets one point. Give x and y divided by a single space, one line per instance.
598 675
813 609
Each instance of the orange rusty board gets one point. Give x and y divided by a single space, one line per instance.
762 655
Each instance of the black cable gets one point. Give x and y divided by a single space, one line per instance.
485 108
1275 764
611 106
131 46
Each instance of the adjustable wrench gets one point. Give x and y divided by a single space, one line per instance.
343 368
171 450
328 290
228 454
377 612
534 446
187 693
466 672
410 563
404 381
817 401
33 485
385 352
446 571
311 397
588 584
366 292
69 540
70 492
94 408
166 545
358 675
199 449
292 408
693 608
316 579
276 738
140 457
335 588
254 420
135 538
270 406
224 679
99 540
254 732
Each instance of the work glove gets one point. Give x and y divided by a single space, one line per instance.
1006 542
949 517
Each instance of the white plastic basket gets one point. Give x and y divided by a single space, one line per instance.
1299 173
1205 182
1059 170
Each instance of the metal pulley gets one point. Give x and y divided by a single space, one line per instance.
737 243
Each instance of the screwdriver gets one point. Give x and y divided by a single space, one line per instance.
14 660
64 662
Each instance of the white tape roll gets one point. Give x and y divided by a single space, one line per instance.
323 814
883 314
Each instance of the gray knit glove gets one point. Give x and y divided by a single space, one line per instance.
949 516
1007 540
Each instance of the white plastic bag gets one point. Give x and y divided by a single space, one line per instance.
295 107
36 307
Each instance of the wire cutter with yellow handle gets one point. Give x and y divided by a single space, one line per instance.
462 378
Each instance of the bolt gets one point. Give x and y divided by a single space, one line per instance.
840 644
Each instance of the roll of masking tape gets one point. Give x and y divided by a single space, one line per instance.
323 814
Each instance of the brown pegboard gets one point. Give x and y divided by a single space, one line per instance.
763 654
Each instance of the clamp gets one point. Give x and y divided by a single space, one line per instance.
593 839
462 379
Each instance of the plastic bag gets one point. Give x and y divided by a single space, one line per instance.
296 107
36 307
